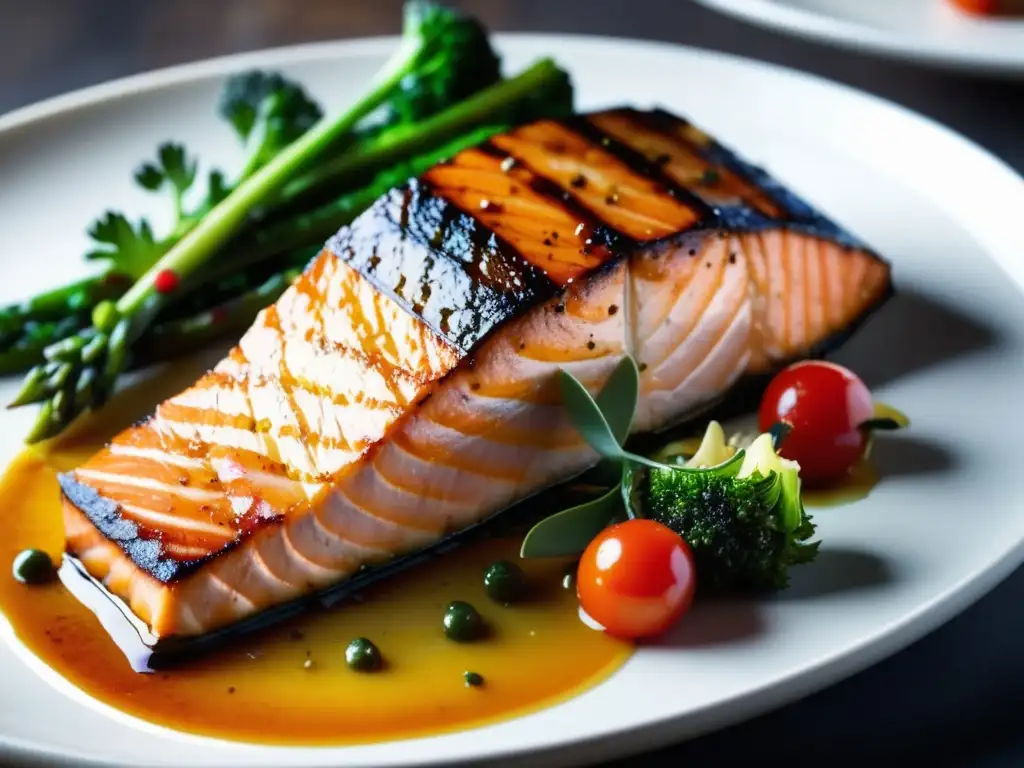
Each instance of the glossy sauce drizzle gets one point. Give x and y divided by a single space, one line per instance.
291 685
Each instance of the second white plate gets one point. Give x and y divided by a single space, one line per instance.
925 31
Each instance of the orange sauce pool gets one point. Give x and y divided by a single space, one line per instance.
262 690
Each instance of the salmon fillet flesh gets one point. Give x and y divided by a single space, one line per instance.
404 388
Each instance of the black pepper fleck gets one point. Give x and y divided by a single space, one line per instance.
231 689
547 241
591 345
559 308
613 309
693 251
579 181
732 258
642 367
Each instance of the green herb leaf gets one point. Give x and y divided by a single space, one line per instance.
779 432
587 417
618 398
887 425
131 251
570 531
179 169
627 486
149 177
886 417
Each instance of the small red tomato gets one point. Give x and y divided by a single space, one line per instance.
165 281
824 404
636 578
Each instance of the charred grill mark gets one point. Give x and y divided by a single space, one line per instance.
146 552
679 160
441 264
641 165
596 233
554 151
681 130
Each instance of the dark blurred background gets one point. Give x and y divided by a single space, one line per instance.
955 697
51 46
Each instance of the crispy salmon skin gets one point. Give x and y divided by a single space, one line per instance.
403 389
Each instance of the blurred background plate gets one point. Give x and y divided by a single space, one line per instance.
930 32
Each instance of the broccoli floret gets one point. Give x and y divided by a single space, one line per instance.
740 512
268 112
460 61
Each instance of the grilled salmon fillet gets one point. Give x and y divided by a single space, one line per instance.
404 388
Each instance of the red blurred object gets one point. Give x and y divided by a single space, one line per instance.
990 7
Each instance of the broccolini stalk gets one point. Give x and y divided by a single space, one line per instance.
740 511
541 89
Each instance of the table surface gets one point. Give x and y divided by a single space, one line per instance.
954 697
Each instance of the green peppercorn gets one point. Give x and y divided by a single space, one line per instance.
504 582
105 316
33 566
462 622
362 655
472 679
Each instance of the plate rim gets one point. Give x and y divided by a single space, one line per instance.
821 28
884 642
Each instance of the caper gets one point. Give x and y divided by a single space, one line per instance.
362 655
504 582
33 566
472 679
462 622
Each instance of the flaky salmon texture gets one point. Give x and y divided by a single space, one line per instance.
404 388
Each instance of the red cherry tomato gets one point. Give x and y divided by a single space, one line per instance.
636 578
823 404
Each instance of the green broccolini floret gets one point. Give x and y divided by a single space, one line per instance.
268 112
460 62
741 513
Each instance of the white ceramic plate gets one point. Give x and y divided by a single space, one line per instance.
943 527
927 31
